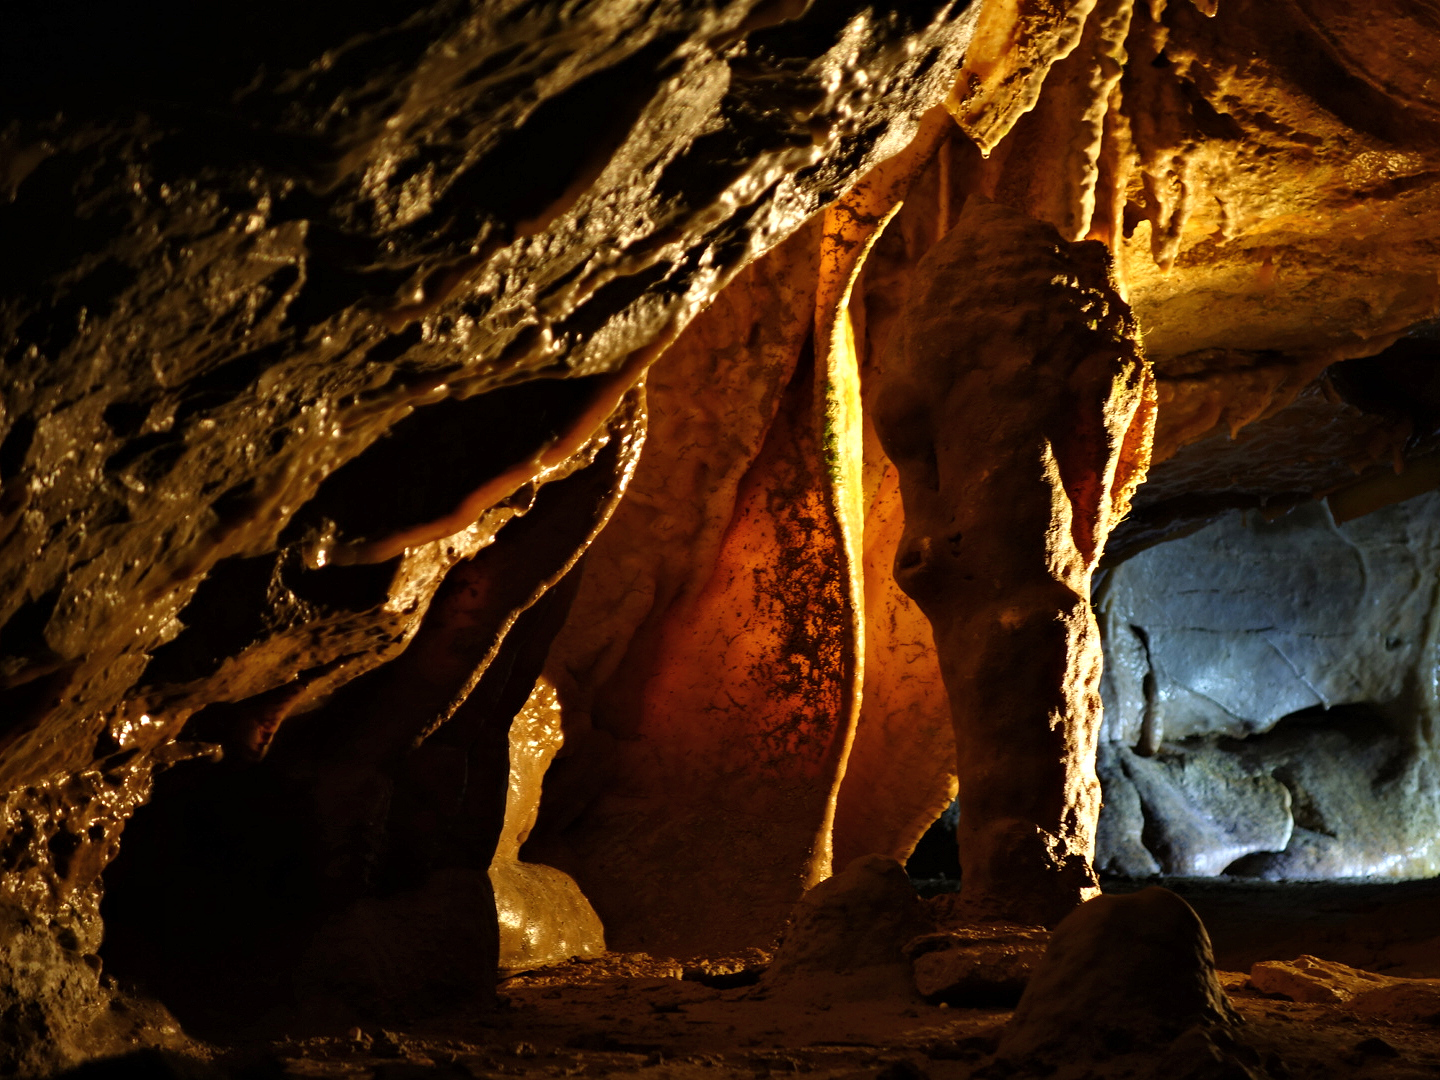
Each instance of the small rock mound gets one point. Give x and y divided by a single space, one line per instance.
858 919
1310 979
1121 974
987 964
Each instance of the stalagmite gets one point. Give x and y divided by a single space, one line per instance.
1019 411
543 915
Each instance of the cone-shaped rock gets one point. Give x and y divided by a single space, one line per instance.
1122 973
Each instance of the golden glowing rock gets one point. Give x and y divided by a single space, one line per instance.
901 772
1288 199
1019 412
701 713
1015 44
731 714
544 918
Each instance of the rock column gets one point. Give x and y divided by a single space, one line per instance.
1019 411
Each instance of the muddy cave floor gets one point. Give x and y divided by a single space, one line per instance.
625 1015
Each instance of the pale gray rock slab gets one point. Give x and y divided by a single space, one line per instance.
1119 849
1268 691
1205 808
1246 621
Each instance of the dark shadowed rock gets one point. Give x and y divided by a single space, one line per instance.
1122 973
860 918
984 965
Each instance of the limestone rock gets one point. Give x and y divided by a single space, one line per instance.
1310 979
294 322
1121 973
1055 364
543 915
1203 808
1264 674
1119 849
1314 613
54 1011
984 965
860 918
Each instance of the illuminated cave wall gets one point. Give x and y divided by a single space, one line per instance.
1270 698
370 385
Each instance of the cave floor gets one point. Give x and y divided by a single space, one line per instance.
1386 926
625 1015
669 1029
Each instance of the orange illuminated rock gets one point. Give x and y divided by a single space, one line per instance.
699 686
1018 410
543 916
1015 44
1065 129
901 772
717 648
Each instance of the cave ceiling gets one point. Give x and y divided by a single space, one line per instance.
345 369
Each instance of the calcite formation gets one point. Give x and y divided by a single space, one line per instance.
296 324
543 915
329 344
1042 404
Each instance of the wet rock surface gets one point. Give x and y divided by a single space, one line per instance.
355 238
291 331
322 337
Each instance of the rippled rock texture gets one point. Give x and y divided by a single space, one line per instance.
299 313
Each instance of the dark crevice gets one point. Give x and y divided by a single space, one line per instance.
425 466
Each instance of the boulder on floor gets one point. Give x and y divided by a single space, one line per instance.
855 923
1122 974
1310 979
987 964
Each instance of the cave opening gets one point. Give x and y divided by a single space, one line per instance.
1270 693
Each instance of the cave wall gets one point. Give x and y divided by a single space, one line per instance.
1269 698
325 364
295 324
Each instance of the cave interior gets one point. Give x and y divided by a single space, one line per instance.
715 538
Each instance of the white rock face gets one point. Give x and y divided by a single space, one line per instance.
1215 639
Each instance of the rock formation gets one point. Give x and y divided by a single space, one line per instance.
1121 973
370 378
1041 404
1268 700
